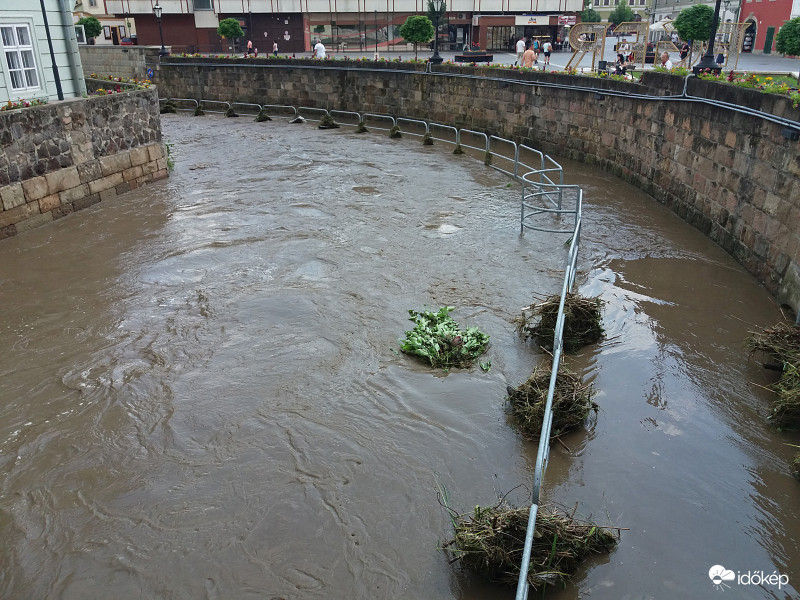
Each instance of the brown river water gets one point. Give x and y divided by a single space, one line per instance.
202 397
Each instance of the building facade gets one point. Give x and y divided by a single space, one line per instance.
40 52
190 25
764 17
116 30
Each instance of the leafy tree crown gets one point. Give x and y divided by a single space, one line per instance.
694 23
417 29
788 39
91 26
229 28
621 14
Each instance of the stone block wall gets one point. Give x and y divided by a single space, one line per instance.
121 61
728 172
63 157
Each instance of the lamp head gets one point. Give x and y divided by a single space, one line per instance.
157 10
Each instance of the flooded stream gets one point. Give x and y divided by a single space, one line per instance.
202 394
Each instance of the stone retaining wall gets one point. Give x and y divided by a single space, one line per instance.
63 157
120 61
731 174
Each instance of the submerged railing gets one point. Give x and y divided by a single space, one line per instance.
545 203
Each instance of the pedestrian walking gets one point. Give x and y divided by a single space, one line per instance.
520 50
547 48
319 50
275 48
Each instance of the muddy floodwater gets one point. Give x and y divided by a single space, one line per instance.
202 394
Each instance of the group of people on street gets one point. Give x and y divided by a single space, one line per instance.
254 51
528 52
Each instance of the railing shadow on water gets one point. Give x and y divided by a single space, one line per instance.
545 203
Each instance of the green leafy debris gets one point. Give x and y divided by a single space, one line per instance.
438 340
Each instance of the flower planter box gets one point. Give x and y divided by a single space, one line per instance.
470 56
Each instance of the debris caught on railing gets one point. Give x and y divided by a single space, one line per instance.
491 540
781 343
572 402
582 321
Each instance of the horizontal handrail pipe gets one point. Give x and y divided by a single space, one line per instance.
415 126
438 130
373 120
346 117
467 142
312 110
186 104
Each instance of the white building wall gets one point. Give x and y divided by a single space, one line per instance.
65 50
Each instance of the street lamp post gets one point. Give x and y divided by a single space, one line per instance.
438 9
157 10
377 55
707 63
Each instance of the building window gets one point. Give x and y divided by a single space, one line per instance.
92 2
202 4
20 60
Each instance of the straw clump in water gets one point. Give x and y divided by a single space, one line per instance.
582 321
491 541
572 402
796 466
782 344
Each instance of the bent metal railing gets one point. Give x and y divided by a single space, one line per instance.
545 203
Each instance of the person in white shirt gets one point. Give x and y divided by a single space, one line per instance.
547 48
625 50
520 50
319 50
666 62
675 38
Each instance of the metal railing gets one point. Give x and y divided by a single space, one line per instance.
543 453
544 197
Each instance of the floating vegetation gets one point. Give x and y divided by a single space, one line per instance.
796 466
458 150
362 127
427 139
199 111
572 402
438 340
582 321
394 132
169 107
263 116
230 112
490 542
487 158
327 122
781 343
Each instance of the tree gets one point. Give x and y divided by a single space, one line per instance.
589 14
91 26
230 29
788 39
417 29
621 14
694 23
